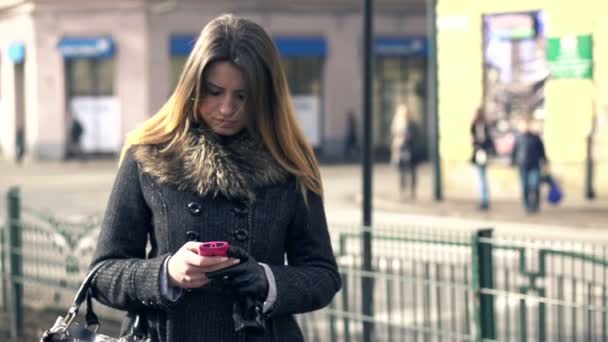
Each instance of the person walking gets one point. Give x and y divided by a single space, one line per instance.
483 148
403 149
351 143
223 160
75 139
529 156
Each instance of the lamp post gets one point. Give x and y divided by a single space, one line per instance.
367 285
432 98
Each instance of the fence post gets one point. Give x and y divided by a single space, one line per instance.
4 271
15 262
483 278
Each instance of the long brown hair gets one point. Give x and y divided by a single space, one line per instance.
248 46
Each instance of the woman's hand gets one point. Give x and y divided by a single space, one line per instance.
187 269
248 278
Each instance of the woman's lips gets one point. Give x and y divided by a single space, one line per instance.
227 124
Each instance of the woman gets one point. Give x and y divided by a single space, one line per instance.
403 149
224 159
483 147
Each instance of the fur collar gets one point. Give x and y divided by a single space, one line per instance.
208 164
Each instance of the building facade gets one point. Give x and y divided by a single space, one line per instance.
542 59
111 64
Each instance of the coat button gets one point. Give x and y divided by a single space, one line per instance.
191 235
241 234
195 208
240 211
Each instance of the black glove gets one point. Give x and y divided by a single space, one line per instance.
247 278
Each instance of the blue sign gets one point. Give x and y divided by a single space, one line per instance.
16 52
182 44
87 47
301 46
388 46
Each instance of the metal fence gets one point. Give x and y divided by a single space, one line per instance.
429 283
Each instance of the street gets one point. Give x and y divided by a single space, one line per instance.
81 189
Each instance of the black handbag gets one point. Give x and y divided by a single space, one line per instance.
66 329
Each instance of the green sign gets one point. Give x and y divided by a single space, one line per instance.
570 56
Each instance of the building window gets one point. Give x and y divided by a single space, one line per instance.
304 75
177 65
180 46
90 99
90 77
400 78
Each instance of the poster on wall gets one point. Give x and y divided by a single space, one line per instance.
515 73
308 110
101 121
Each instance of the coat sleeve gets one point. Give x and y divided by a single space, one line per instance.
515 151
127 281
310 279
541 151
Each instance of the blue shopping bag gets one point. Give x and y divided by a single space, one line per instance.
555 193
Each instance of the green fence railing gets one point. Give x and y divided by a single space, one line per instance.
429 283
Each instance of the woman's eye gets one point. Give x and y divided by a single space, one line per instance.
242 97
213 92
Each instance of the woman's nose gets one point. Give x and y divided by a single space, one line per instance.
228 105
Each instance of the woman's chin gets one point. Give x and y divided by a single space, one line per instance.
226 131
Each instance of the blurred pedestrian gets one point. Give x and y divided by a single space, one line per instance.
404 132
530 158
223 160
351 143
75 138
20 145
483 148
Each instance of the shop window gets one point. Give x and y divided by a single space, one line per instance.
303 74
304 79
90 77
180 46
177 65
398 80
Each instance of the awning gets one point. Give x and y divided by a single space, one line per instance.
16 52
87 47
301 46
182 44
393 46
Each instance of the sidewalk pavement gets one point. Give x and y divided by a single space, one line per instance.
460 197
83 188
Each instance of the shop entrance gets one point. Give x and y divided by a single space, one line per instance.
399 80
90 99
304 79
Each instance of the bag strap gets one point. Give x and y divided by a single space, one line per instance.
81 295
83 291
139 328
90 316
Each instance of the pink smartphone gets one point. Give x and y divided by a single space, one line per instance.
213 248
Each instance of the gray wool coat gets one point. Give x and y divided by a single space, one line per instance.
222 189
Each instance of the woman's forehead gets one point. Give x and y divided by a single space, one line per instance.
226 75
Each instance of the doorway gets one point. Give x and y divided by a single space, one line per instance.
399 80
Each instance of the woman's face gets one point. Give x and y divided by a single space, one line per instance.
222 107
